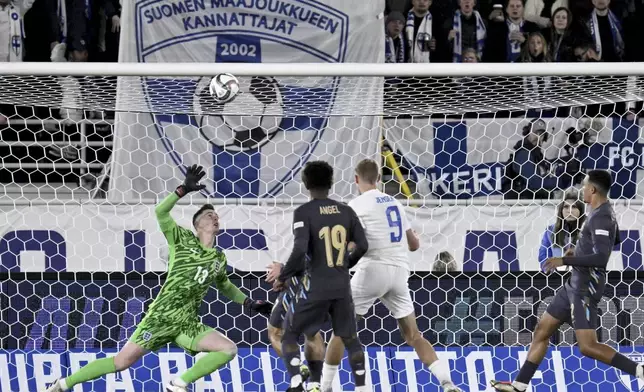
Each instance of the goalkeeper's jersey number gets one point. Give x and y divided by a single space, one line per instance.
201 275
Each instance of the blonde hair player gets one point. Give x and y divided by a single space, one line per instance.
383 272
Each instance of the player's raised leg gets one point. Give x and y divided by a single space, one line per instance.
219 351
129 354
590 347
585 321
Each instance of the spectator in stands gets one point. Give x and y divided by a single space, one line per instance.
606 32
470 55
528 175
634 31
585 52
109 32
42 30
395 45
506 35
536 51
444 262
562 236
11 29
467 29
419 31
83 28
541 11
561 37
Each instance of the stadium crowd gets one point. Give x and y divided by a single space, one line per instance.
419 31
423 31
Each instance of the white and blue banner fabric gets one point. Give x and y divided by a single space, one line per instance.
122 238
466 158
260 154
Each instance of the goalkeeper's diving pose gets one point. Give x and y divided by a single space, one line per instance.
194 265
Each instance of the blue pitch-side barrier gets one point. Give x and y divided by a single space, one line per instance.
392 369
52 322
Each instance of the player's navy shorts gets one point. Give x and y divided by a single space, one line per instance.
308 316
284 301
575 308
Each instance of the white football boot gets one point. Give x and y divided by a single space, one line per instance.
450 387
171 387
55 387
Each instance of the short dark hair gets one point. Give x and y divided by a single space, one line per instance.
317 175
601 179
205 207
368 170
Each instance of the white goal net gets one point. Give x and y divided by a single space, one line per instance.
88 150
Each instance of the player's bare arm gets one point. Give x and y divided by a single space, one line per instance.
413 241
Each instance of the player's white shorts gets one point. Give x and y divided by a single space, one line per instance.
388 283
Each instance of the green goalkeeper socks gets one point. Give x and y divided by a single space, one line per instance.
92 370
206 365
100 367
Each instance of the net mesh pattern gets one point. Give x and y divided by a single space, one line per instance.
79 266
402 96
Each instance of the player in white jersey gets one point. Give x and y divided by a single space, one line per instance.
383 272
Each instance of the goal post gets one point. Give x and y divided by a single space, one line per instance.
81 255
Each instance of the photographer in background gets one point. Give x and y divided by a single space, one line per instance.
561 237
575 150
528 175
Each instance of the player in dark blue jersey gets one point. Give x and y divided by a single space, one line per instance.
313 348
576 302
322 229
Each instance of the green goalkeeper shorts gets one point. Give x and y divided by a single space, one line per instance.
155 332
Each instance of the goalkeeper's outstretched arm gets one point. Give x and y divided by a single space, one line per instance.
191 184
229 290
162 212
232 292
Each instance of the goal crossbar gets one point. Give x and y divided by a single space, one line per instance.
324 69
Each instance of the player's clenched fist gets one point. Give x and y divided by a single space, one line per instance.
194 174
261 307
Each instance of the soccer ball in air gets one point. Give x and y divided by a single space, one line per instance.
224 87
223 124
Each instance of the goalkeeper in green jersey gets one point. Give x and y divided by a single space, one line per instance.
194 265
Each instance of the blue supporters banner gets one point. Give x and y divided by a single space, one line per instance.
466 158
286 121
52 323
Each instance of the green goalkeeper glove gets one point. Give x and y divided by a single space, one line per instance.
194 174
